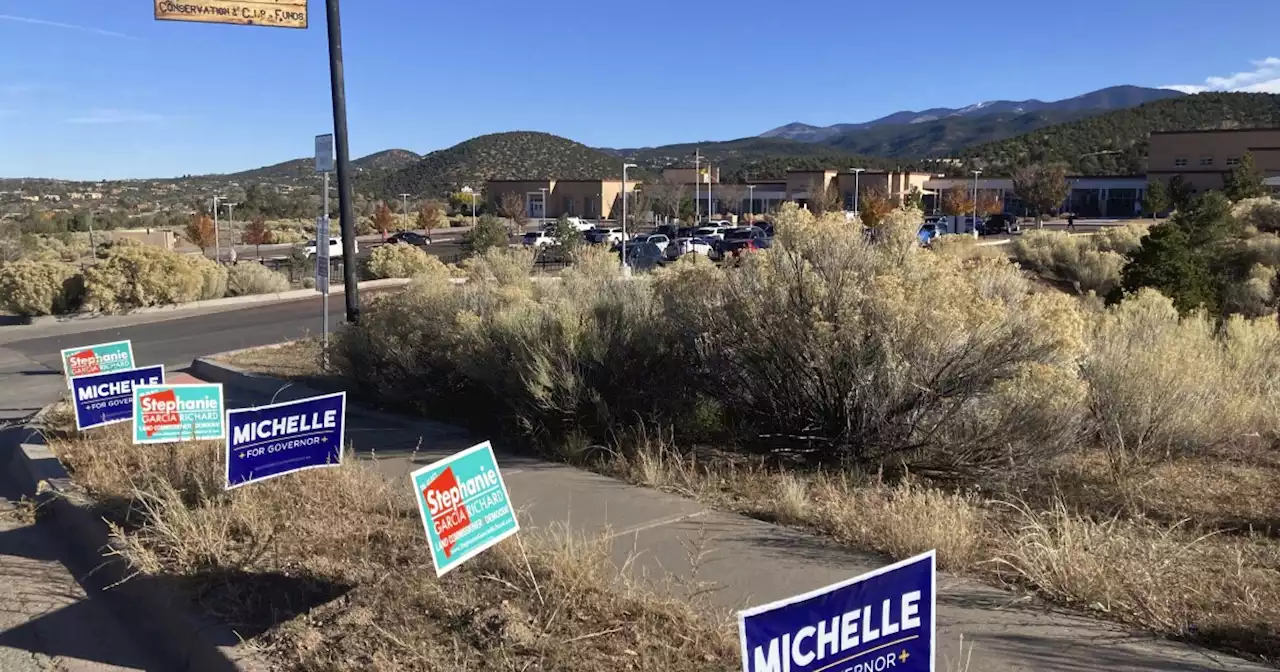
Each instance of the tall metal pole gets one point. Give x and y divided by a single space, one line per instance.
857 172
624 218
324 295
217 253
751 200
697 188
404 212
543 223
976 173
347 210
231 220
709 205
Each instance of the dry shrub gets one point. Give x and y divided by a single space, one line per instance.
278 236
1161 385
1121 239
1090 263
879 353
254 278
213 283
131 275
345 546
1260 214
404 261
1167 578
39 287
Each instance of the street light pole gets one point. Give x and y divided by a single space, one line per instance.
857 172
216 251
697 188
625 166
544 207
751 200
472 193
404 211
976 173
231 220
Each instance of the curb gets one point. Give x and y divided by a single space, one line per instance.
173 630
206 368
291 295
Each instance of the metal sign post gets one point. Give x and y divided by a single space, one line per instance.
324 165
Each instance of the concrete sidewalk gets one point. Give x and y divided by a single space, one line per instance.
746 562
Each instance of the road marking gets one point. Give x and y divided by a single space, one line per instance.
669 520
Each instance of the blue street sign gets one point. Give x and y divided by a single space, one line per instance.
107 398
882 620
279 439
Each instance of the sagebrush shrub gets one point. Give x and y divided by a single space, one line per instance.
403 261
213 279
39 287
131 275
253 278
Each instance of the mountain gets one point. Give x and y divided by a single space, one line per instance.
499 156
944 137
1116 142
387 159
1102 100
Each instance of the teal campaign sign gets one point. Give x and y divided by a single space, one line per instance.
464 505
94 359
172 413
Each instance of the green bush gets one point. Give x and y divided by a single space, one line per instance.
403 261
40 287
131 275
254 278
489 232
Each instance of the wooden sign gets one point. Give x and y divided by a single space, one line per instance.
271 13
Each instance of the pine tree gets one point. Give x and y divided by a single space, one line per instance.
1244 181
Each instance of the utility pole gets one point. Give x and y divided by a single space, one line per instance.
625 166
404 211
697 188
346 209
217 253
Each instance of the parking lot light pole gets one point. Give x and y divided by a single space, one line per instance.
751 201
231 221
472 193
625 166
543 223
976 173
856 173
216 252
404 212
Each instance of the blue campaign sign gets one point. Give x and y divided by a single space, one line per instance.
269 441
107 398
882 620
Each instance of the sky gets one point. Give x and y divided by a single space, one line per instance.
98 89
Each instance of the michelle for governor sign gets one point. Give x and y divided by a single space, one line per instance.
107 398
171 413
269 441
882 620
464 505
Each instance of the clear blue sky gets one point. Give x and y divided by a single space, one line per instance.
94 89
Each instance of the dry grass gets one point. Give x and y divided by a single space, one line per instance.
328 570
290 361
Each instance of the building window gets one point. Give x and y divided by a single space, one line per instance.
1233 160
1206 160
568 206
1180 161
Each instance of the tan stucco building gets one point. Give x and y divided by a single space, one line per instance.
590 199
1204 158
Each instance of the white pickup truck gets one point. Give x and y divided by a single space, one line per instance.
335 248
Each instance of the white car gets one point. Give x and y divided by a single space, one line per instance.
335 248
683 246
716 232
537 239
659 239
605 236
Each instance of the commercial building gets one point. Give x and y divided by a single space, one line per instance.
1119 196
589 199
1205 158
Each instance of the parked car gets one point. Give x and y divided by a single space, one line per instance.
671 231
999 224
682 246
537 240
578 223
605 236
715 232
661 240
929 231
642 256
748 239
411 238
335 248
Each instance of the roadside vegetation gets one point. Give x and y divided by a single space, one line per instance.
329 570
1119 459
